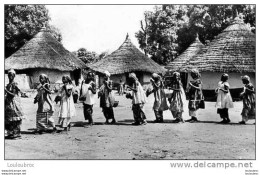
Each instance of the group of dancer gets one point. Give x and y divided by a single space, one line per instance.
88 90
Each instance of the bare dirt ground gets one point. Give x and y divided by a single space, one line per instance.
206 139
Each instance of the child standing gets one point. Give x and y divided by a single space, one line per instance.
224 99
177 98
13 111
67 108
248 96
44 116
138 100
87 95
196 98
121 87
107 99
160 103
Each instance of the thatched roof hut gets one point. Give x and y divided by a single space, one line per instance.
127 58
233 50
180 61
43 51
44 54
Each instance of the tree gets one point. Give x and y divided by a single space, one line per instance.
87 56
102 55
158 33
22 22
55 32
169 30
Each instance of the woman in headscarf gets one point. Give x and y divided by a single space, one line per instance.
160 103
224 99
107 99
44 113
13 111
177 99
138 100
248 96
67 107
196 98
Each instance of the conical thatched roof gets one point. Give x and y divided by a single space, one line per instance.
43 51
127 58
178 63
231 51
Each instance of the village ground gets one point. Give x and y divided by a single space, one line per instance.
206 139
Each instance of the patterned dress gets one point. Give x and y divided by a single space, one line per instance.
13 111
44 115
248 111
107 100
177 101
195 97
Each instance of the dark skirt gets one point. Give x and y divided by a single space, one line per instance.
108 112
88 111
223 112
139 115
13 128
13 120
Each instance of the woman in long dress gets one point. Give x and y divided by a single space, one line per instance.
13 111
177 99
224 99
196 98
107 99
138 100
67 107
44 115
248 96
160 103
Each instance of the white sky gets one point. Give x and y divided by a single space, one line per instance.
97 27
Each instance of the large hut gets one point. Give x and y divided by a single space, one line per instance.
127 58
43 54
182 59
232 52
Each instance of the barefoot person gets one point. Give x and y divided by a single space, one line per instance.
44 114
107 99
224 99
196 98
160 103
87 95
177 99
13 111
248 96
67 107
138 100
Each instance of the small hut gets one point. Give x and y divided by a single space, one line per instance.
43 54
127 58
232 52
183 58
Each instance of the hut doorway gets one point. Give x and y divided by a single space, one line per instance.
77 76
184 79
139 75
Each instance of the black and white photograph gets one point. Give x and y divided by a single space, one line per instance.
129 83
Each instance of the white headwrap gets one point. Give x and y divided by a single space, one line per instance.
12 71
107 73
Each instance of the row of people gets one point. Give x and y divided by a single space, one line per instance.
177 100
